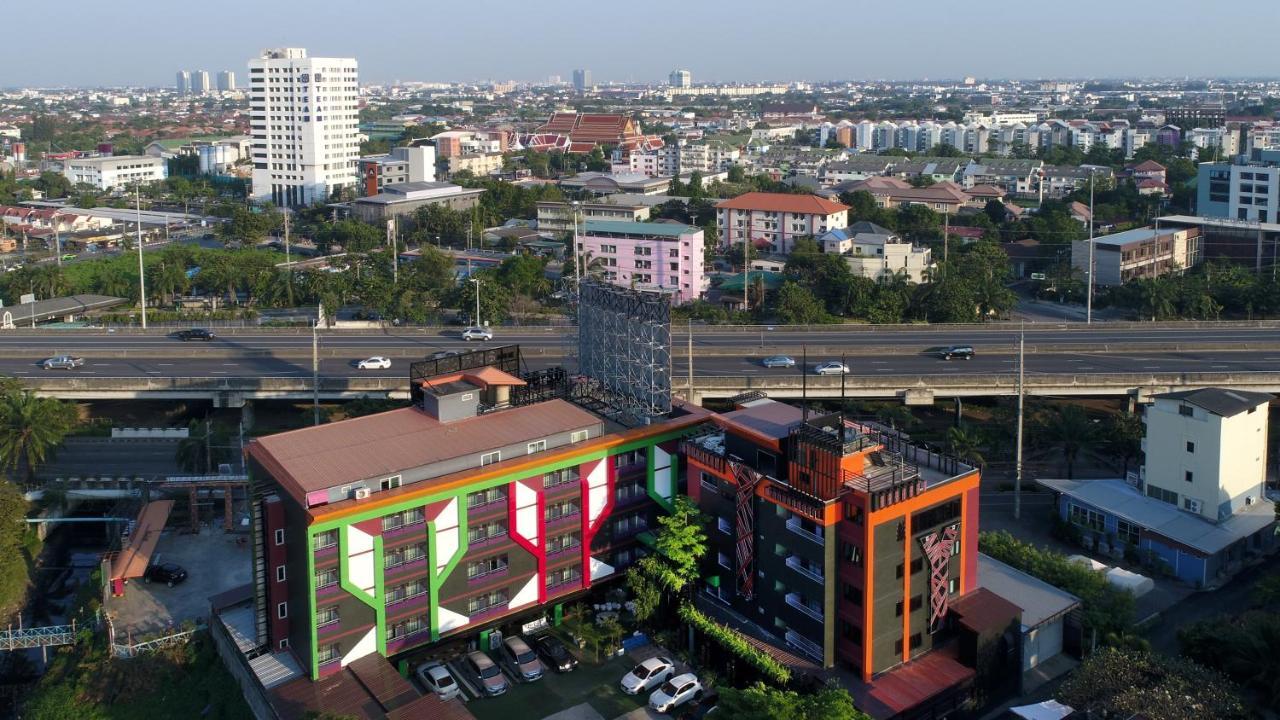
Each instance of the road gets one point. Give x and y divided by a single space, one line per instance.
723 366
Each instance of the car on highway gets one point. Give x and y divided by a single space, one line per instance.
486 673
477 333
435 677
554 654
831 368
168 573
377 362
195 334
964 352
63 362
675 692
521 660
647 675
779 361
442 354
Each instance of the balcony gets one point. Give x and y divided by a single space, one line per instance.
799 565
804 645
795 526
797 601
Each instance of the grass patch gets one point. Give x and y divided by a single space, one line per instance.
593 683
182 682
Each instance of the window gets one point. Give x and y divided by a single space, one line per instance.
537 446
327 653
403 555
486 531
853 554
555 511
953 586
578 436
327 616
917 602
280 573
563 542
401 519
481 603
326 578
490 458
853 594
1162 495
485 497
706 481
626 459
486 566
1186 411
724 526
1189 476
897 646
1087 517
326 539
389 483
897 609
280 537
1127 532
916 641
1191 447
282 610
560 477
408 590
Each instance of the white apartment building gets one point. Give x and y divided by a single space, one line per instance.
879 254
1206 450
1139 253
775 220
401 165
200 82
118 171
304 119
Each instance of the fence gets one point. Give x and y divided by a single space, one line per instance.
130 651
11 639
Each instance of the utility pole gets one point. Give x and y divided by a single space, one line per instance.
288 259
392 231
1258 262
142 275
208 448
746 269
57 241
1017 465
477 282
315 372
690 340
1088 307
946 237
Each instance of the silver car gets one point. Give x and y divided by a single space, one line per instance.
779 361
63 362
832 368
521 659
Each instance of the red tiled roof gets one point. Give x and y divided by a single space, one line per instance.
1151 183
388 443
910 685
1148 166
783 202
983 611
986 191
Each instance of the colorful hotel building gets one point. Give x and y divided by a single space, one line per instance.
488 502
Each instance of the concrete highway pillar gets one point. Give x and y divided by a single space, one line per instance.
959 412
246 415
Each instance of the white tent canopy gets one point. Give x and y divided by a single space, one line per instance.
1047 710
1137 584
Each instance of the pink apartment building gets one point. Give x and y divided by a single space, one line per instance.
646 256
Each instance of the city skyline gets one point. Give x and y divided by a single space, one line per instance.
932 49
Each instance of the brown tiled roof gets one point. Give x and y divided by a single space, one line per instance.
387 443
986 191
1148 166
367 689
983 611
782 202
911 685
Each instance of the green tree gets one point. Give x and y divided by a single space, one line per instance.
204 448
965 445
761 702
31 429
1241 647
1124 683
1069 429
798 306
1124 437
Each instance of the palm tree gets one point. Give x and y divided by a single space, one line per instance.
31 429
1070 429
1156 297
965 446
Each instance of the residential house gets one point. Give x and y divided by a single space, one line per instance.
877 253
661 256
775 220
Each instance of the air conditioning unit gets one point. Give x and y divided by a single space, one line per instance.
1193 505
360 493
1248 499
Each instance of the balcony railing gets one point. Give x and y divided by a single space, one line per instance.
794 526
804 645
800 566
797 602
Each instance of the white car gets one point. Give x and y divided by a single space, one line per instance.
647 675
377 362
63 362
436 678
675 692
832 368
477 333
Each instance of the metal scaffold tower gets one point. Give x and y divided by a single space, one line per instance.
624 348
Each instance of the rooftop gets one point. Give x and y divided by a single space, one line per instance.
783 202
1123 500
672 230
1136 235
1218 401
1040 601
911 684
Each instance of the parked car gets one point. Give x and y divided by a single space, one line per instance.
957 351
436 678
554 653
477 333
63 362
195 334
168 573
831 368
486 672
705 706
779 361
521 659
675 692
377 362
647 675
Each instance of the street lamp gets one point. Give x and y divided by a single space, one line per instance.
477 282
577 269
142 275
1088 307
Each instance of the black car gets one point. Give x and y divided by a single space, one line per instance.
965 352
168 573
196 334
554 653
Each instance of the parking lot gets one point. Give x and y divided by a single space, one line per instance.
589 692
214 562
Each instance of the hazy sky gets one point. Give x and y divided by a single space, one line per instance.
90 42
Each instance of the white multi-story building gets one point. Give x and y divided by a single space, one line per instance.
304 119
226 81
774 221
877 253
116 171
183 84
680 79
200 82
1206 450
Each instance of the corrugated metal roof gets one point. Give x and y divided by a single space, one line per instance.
639 228
1039 600
388 443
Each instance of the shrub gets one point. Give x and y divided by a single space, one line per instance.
733 641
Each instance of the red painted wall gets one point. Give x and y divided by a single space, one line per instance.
276 555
